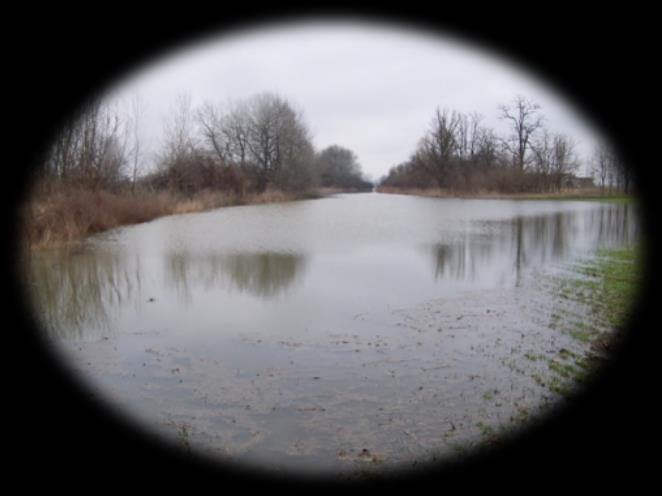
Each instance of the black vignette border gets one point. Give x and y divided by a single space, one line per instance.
601 60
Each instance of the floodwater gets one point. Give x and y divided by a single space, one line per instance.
325 335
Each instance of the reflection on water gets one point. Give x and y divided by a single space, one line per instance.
264 275
310 262
74 292
82 294
461 260
525 242
267 331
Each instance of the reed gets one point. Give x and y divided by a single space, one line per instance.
64 214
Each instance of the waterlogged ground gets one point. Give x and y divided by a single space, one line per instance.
357 331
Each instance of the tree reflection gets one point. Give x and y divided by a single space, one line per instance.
79 293
87 292
510 247
75 292
262 274
461 260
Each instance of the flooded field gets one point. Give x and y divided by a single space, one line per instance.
365 330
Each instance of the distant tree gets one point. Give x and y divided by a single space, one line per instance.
278 143
438 149
178 128
525 120
211 123
543 157
136 112
235 129
456 153
255 143
182 160
339 167
225 131
409 174
91 150
468 136
623 173
485 149
600 164
618 174
564 160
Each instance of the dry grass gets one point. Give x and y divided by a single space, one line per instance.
188 206
433 192
59 215
570 194
203 200
269 196
66 214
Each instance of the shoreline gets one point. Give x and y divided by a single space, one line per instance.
65 216
570 195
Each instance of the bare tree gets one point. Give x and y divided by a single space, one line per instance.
254 143
564 160
178 128
235 128
485 151
210 122
438 148
63 156
543 157
601 162
468 135
91 150
278 141
136 112
181 158
525 121
296 154
263 140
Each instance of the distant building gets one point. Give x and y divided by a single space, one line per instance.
570 181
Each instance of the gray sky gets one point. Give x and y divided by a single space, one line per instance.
372 88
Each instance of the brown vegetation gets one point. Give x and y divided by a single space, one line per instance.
260 150
564 194
61 214
460 156
257 151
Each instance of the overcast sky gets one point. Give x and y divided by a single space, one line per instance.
372 88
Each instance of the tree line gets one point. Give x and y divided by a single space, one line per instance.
263 142
458 153
245 146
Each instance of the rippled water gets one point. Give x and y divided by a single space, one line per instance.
276 333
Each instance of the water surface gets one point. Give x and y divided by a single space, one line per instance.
321 334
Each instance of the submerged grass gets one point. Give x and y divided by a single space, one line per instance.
607 286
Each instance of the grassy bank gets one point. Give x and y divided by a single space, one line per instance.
607 286
575 195
62 215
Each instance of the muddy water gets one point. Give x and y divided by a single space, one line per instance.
352 331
